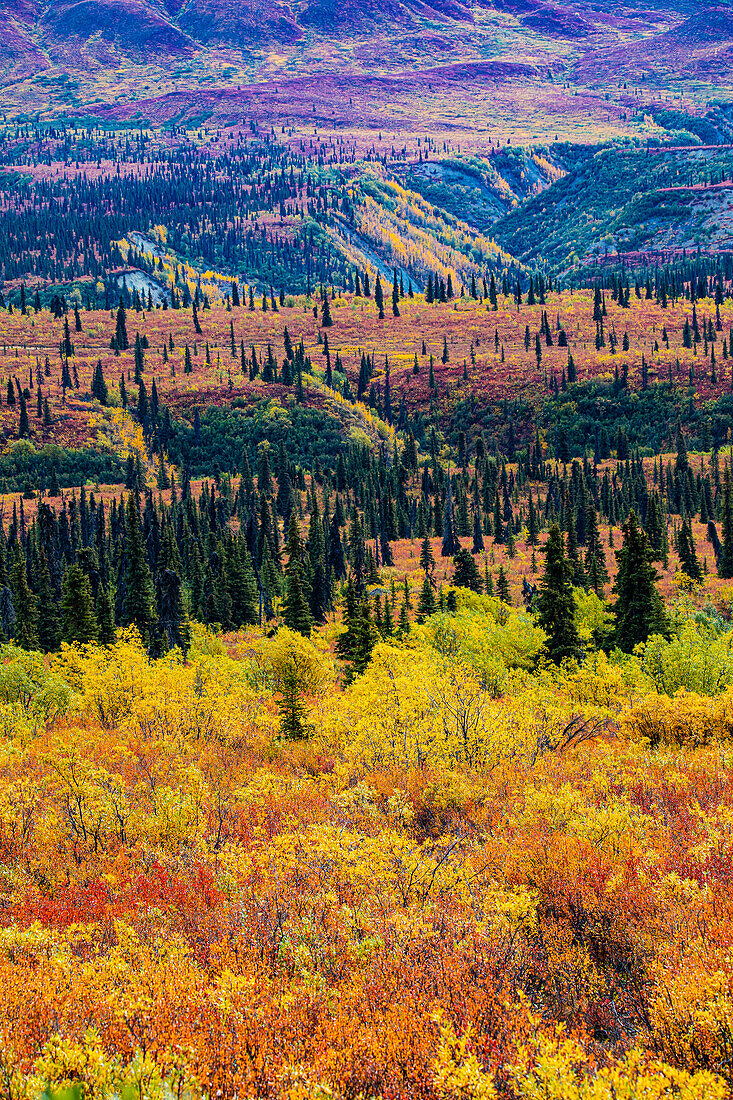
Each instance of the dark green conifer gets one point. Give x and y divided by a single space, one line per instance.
379 297
78 617
595 555
172 614
555 604
139 593
99 386
688 554
25 603
121 340
106 617
639 609
291 707
356 644
725 563
466 573
426 604
49 620
296 610
23 424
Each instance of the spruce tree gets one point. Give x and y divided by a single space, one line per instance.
25 604
532 523
49 621
172 614
106 617
466 573
502 586
478 535
163 480
78 618
577 572
403 625
23 424
121 340
139 593
426 604
291 707
296 611
427 560
66 383
99 386
379 297
595 555
688 554
139 359
355 645
555 604
357 554
320 596
8 617
208 604
725 564
143 405
638 608
450 545
655 526
497 523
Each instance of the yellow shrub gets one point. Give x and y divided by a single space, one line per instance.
272 657
458 1075
692 1015
684 719
555 1067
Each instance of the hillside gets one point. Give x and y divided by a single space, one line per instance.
297 760
352 20
19 53
481 190
252 23
624 201
574 44
698 46
366 550
135 27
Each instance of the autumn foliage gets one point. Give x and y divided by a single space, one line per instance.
477 877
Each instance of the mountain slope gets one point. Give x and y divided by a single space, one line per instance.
624 201
158 28
693 47
240 24
348 17
133 25
19 54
